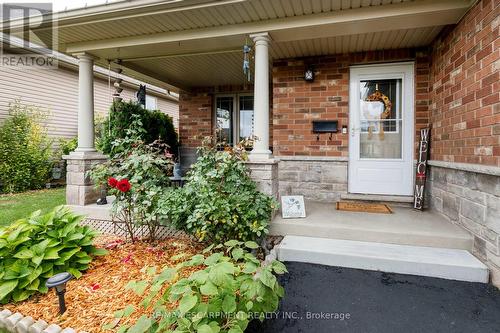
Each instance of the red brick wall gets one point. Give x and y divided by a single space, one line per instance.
297 103
465 110
195 118
196 112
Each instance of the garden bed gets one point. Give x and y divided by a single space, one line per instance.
93 299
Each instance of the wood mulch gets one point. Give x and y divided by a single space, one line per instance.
93 299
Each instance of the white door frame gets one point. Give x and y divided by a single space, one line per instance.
400 169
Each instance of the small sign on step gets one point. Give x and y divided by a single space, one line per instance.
292 207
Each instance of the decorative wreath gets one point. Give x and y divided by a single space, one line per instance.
377 96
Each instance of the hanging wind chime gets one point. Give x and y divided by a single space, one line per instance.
116 98
118 80
246 60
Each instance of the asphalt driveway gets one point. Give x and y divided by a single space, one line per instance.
332 299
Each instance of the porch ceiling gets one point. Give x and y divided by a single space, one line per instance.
186 43
225 67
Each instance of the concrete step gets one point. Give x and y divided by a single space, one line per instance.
452 264
404 227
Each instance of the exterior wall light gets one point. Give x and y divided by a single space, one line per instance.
58 282
309 74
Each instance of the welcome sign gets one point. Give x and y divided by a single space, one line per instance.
421 171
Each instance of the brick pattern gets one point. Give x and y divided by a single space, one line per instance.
196 111
195 114
465 92
297 103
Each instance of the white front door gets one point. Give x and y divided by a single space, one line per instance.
381 116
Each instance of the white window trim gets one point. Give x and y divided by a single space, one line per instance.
151 98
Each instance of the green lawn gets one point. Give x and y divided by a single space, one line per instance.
19 205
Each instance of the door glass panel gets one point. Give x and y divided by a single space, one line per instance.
224 120
380 116
246 117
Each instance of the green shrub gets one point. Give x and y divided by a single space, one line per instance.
146 169
219 201
25 150
66 146
35 248
156 124
232 289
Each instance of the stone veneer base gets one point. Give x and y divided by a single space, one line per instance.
265 174
470 198
79 188
321 178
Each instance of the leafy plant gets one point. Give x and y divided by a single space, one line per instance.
25 149
219 201
146 169
156 125
231 288
66 146
35 248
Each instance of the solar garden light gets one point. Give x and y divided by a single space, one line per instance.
58 282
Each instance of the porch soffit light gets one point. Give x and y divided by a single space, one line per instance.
58 282
309 74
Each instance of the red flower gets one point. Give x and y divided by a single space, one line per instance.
128 259
112 182
114 244
123 185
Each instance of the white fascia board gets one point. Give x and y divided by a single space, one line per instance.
382 18
124 10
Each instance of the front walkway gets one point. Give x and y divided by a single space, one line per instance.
318 297
405 227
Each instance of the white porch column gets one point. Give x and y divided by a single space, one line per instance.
261 97
85 103
79 188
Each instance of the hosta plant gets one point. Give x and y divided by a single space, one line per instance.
219 201
231 288
35 248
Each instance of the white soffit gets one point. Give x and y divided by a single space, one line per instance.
169 18
225 68
394 39
198 42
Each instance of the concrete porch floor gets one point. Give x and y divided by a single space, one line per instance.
95 211
404 227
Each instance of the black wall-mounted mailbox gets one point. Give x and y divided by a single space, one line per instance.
325 126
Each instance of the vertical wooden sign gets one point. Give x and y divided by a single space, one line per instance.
421 169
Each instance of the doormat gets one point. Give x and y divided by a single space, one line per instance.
365 207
